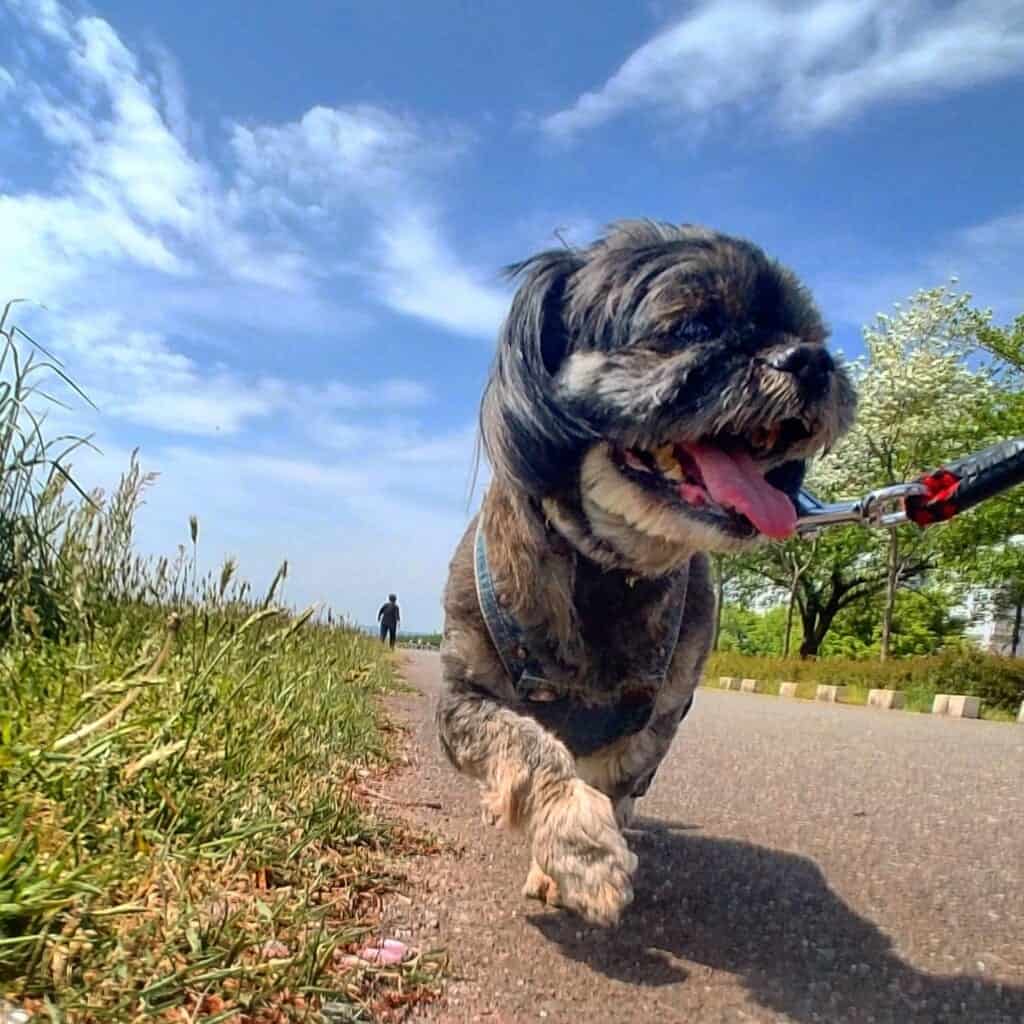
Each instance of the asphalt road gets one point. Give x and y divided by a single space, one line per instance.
798 862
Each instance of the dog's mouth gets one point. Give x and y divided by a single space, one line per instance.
722 479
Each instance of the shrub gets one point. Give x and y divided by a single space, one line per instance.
999 682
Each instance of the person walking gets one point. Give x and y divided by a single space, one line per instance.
389 617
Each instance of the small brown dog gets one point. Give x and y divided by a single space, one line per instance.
654 397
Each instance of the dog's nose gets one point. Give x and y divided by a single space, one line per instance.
810 364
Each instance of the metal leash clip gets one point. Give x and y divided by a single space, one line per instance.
881 508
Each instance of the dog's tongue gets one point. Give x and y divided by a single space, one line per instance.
733 479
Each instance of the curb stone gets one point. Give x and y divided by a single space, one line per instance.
830 694
956 705
889 700
952 705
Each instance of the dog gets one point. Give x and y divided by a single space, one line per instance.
654 397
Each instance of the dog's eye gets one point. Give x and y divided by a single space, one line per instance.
693 331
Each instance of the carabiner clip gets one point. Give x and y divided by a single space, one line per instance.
885 507
879 508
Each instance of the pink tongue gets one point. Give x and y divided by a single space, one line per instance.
734 480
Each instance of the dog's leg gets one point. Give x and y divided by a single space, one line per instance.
625 811
540 886
529 780
624 771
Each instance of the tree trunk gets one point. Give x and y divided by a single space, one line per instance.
1015 636
720 601
809 646
798 571
890 594
789 620
811 617
817 620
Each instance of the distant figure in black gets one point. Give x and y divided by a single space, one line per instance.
389 617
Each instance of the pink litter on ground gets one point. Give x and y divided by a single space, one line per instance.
386 951
274 950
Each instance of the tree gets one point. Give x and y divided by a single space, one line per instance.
752 632
725 570
925 623
823 577
988 551
918 407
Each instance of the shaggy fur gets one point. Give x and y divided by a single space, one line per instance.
655 334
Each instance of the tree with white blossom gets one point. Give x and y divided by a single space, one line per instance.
919 404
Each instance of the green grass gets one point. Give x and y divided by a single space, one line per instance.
181 834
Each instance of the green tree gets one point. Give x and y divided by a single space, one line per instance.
753 632
988 550
821 578
925 623
919 407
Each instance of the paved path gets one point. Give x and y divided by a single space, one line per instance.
798 862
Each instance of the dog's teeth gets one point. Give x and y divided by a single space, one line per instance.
764 438
634 462
668 464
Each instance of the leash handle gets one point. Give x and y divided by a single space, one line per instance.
960 485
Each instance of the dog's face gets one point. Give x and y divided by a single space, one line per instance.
660 393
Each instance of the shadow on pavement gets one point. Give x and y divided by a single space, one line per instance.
770 918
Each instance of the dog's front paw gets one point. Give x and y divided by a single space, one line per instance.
578 845
539 886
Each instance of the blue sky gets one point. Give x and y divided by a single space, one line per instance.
269 236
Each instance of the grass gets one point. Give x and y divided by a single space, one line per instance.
181 833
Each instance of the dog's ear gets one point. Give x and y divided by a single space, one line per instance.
535 327
527 434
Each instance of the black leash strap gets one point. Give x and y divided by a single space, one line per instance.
961 485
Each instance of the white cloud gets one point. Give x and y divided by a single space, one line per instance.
331 157
134 195
135 376
420 276
136 211
172 94
172 277
812 64
394 391
330 153
984 258
987 257
46 15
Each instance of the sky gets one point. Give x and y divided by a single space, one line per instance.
267 239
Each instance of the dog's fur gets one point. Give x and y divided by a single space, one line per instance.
653 333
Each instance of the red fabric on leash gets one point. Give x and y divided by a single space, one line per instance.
937 505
